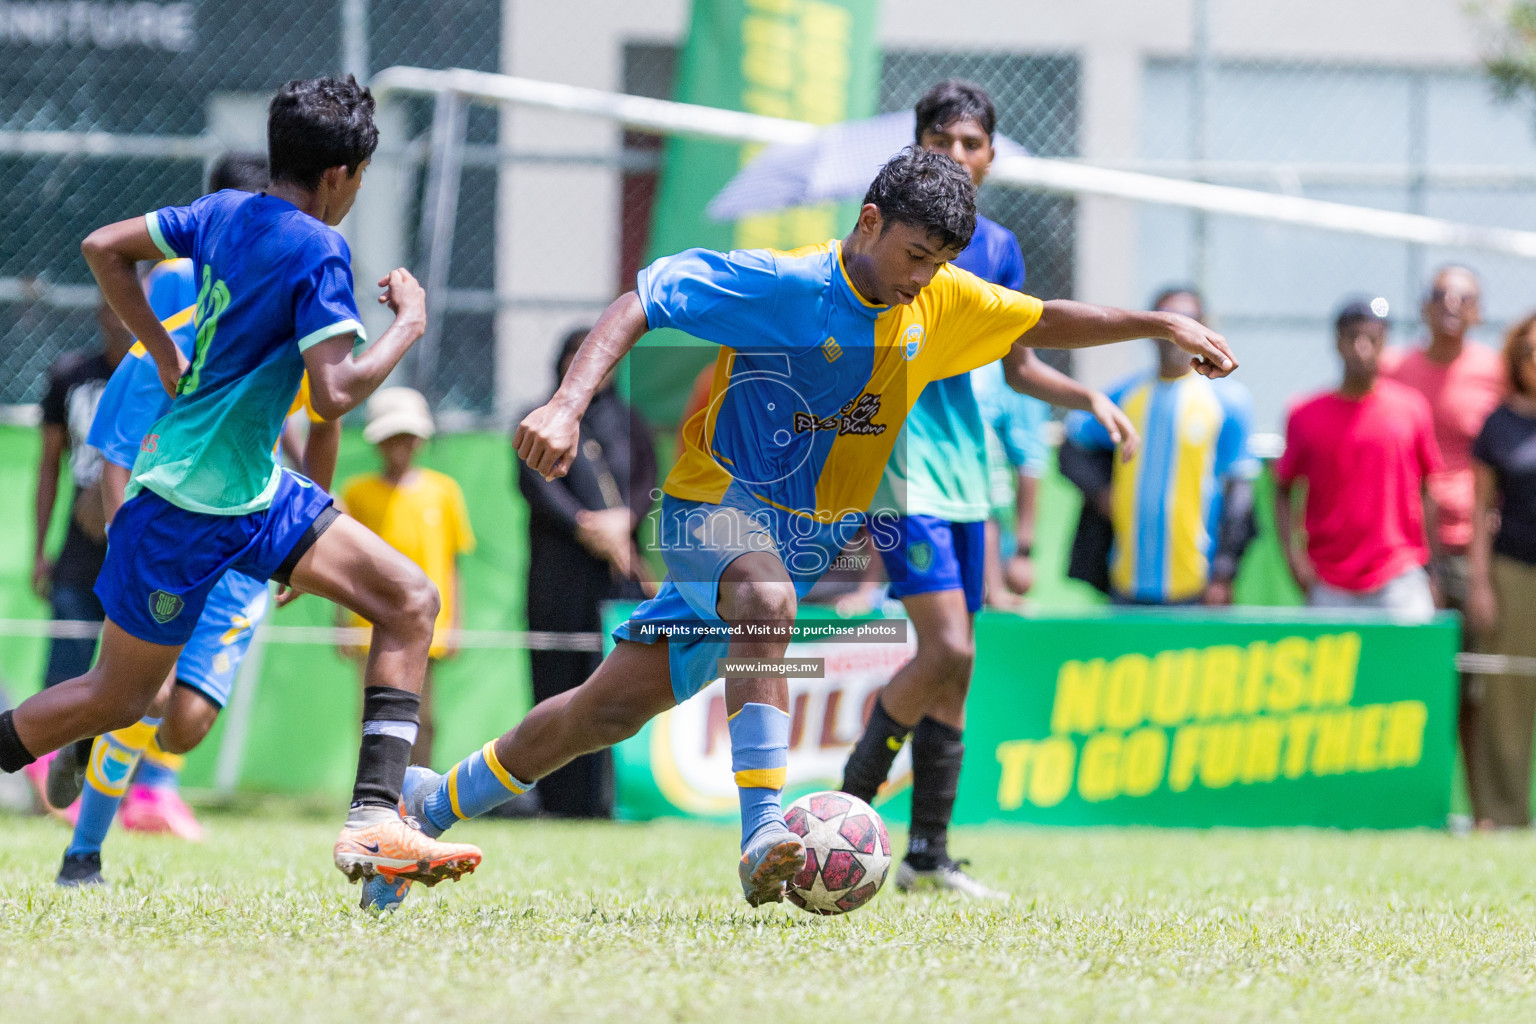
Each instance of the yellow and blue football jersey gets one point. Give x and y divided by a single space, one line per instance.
813 381
1166 501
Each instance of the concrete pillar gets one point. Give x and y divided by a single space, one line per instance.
1106 228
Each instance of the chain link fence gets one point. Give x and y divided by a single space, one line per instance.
1037 99
1424 140
107 109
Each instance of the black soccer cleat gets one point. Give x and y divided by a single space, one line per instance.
80 870
66 773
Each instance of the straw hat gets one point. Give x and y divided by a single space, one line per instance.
394 411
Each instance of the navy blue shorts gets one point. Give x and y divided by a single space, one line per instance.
927 553
163 561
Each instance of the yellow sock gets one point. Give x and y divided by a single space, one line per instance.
159 770
170 762
114 755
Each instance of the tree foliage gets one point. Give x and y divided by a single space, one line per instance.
1512 63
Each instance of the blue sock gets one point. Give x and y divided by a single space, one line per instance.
155 775
473 786
759 757
106 780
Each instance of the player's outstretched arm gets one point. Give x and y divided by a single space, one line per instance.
1030 375
547 437
1067 324
340 381
111 253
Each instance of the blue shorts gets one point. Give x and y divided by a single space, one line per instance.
927 553
163 561
211 660
698 541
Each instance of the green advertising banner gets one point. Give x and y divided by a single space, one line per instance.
808 60
1175 718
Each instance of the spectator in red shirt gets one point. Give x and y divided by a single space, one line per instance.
1463 383
1367 451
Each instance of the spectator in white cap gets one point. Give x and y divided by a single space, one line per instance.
421 513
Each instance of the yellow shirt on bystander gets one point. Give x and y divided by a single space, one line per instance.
426 520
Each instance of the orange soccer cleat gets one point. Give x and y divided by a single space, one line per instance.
395 850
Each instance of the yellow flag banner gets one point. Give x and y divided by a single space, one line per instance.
805 60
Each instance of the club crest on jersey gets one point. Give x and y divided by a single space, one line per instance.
164 607
912 341
920 555
853 418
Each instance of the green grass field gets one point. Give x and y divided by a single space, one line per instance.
567 922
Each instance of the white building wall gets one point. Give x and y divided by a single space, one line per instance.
560 227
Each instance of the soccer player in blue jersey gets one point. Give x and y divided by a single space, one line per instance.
938 484
823 351
200 685
207 496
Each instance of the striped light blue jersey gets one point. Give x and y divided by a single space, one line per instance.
133 399
1166 501
939 465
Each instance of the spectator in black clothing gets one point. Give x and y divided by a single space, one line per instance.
1501 592
583 533
1091 469
75 383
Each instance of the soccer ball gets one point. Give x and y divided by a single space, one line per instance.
847 853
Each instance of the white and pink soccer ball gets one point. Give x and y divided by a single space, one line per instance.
847 852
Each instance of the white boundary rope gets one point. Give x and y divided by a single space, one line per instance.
690 120
338 636
486 639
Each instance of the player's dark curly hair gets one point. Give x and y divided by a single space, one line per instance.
242 170
954 100
928 191
317 124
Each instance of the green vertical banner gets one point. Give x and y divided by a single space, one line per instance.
806 60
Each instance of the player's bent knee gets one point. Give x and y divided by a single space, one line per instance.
112 711
182 735
770 601
415 609
954 657
604 724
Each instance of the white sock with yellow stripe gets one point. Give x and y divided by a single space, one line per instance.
760 759
472 787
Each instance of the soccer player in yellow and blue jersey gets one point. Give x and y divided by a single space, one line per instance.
823 352
1182 506
939 485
